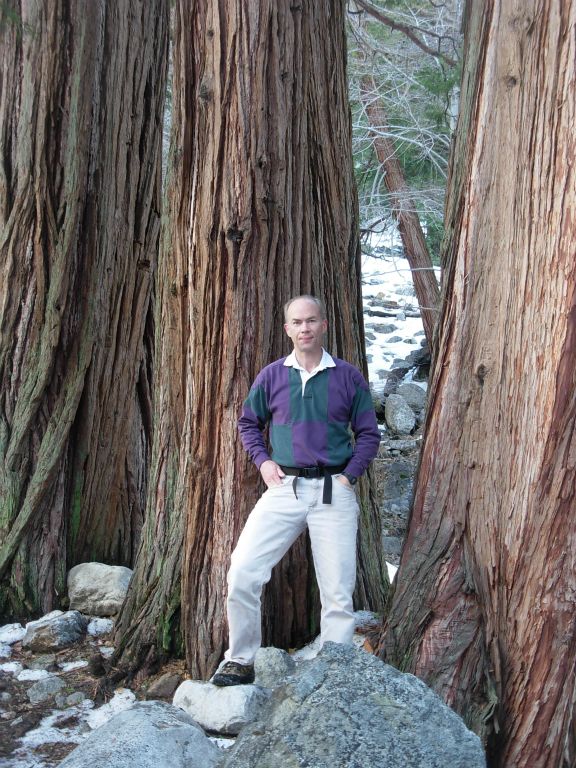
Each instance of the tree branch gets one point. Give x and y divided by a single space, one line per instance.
405 29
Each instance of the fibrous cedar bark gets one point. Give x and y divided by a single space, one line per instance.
81 97
267 209
484 606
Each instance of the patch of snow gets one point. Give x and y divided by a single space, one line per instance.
33 674
392 571
106 650
68 666
11 633
222 743
309 651
12 667
100 627
5 651
122 699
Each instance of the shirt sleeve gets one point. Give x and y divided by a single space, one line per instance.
253 419
365 428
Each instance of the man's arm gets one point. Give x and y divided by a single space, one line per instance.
255 415
365 429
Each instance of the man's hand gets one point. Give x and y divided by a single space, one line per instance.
271 473
344 480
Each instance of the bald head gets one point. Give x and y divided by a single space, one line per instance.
307 297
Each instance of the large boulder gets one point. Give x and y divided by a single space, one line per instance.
55 630
348 708
98 589
150 734
400 417
221 710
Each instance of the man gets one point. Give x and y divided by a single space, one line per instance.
309 399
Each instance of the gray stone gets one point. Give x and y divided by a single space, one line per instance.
399 416
394 339
5 651
385 328
150 734
44 661
348 708
222 710
55 630
272 666
399 478
98 627
70 700
44 689
392 545
98 589
414 395
164 686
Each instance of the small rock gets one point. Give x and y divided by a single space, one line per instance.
71 700
8 715
272 666
5 696
164 687
46 661
32 674
44 689
394 339
223 710
385 328
98 589
5 651
100 627
55 630
414 395
399 416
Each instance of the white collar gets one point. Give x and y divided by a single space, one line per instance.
326 361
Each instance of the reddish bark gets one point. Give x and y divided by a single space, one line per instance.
484 607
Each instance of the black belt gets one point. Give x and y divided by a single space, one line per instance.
311 473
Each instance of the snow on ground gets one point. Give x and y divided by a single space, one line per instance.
388 278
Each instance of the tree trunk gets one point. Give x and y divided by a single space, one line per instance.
403 210
484 607
266 209
81 97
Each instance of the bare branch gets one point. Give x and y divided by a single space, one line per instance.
407 30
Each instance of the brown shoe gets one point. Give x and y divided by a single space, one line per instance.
233 673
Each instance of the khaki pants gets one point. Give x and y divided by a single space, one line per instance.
272 527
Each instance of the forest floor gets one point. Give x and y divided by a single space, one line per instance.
38 735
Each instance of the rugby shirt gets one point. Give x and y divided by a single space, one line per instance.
311 427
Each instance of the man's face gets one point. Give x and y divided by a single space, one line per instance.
305 326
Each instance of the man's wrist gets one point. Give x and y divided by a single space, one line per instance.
351 479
